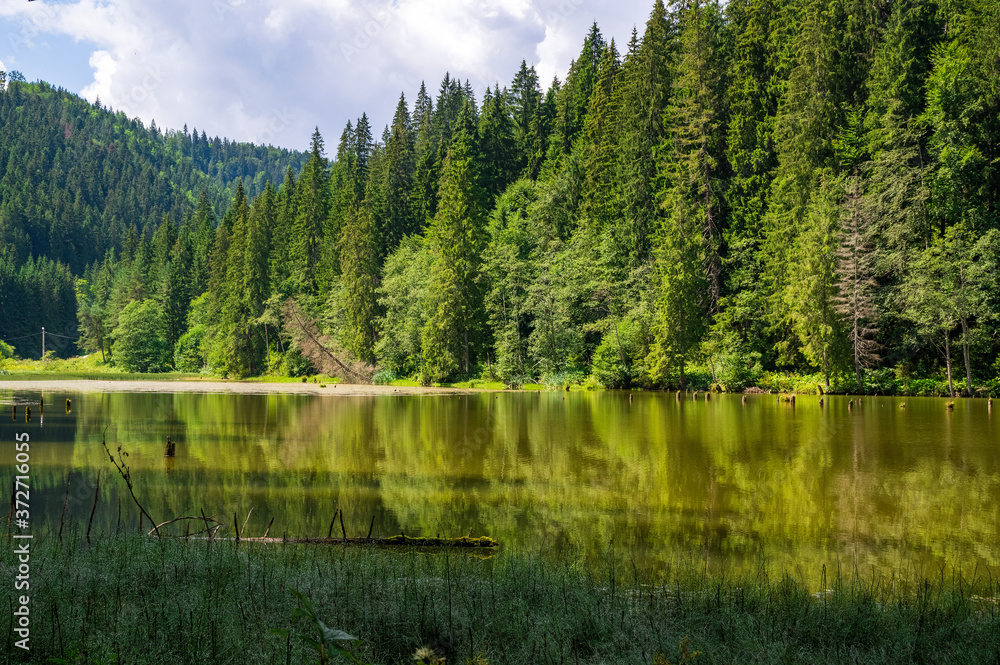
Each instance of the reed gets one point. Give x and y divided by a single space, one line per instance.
131 598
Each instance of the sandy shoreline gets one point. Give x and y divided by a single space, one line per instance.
216 386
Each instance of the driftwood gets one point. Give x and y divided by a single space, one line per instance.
391 541
201 518
122 467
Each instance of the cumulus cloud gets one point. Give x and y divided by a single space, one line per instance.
270 70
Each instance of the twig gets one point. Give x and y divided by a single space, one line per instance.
342 524
126 475
65 503
268 529
97 493
207 527
180 519
245 521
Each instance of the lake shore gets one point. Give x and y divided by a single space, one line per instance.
220 386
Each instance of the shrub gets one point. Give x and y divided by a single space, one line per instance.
190 354
140 343
739 370
384 377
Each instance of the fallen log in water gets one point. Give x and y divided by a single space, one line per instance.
393 541
212 527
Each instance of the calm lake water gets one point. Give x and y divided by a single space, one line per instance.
654 479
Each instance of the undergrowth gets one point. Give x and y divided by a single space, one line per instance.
136 599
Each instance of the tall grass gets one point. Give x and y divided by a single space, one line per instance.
135 599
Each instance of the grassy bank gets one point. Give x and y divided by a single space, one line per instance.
875 382
132 599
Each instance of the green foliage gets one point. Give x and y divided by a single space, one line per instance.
190 353
738 370
402 296
457 238
359 284
140 342
384 377
618 361
509 269
293 363
770 183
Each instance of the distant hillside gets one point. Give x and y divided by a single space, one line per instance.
76 177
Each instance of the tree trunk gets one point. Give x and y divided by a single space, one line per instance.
965 351
466 351
826 370
267 343
857 356
947 360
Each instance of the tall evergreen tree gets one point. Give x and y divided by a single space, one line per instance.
599 141
686 250
457 238
312 208
359 261
526 105
855 271
805 128
179 289
281 234
645 91
497 145
391 208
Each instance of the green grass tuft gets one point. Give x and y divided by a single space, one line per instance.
129 598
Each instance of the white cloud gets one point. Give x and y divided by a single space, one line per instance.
270 70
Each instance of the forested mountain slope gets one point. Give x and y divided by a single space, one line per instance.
78 181
802 184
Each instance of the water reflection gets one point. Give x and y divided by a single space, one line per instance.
719 480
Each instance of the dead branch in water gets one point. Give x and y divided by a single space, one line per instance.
181 519
396 541
126 475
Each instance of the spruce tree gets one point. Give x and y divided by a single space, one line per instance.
599 141
497 144
312 208
856 285
179 289
645 91
457 237
805 128
281 235
393 217
359 261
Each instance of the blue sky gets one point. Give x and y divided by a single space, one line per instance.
268 71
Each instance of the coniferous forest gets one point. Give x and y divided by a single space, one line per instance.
801 185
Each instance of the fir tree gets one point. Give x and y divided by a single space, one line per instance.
312 208
359 262
457 237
